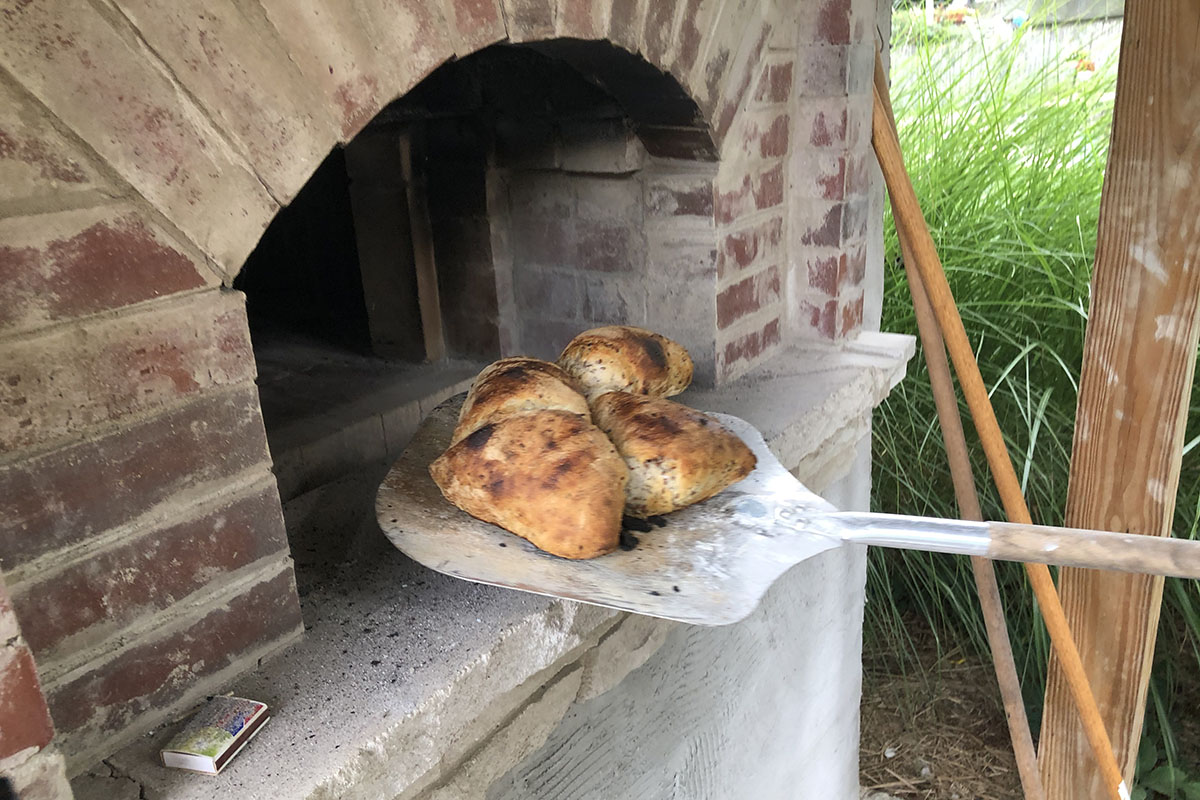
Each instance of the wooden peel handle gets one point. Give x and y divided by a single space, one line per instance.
1152 555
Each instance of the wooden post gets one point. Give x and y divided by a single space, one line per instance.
1138 360
422 244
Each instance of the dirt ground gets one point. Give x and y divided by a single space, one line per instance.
934 733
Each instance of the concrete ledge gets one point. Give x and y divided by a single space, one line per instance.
410 684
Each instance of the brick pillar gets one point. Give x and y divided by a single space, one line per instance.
31 764
836 200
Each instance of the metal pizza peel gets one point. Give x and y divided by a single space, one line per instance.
711 563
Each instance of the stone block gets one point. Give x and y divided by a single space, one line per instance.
581 19
748 296
70 608
529 20
761 134
823 70
474 24
67 264
228 56
827 232
24 719
37 163
600 146
129 111
68 495
67 379
170 666
747 247
546 338
526 143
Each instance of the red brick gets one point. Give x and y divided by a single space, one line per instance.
744 248
68 379
24 719
148 573
833 184
824 273
748 296
695 199
852 317
829 128
768 192
774 141
478 24
144 679
714 72
37 161
833 22
604 247
752 345
829 233
70 494
73 263
856 214
822 318
775 84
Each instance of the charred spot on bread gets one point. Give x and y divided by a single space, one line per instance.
654 351
479 438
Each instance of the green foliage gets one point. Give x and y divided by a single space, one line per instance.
1008 162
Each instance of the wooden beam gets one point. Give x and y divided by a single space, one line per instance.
422 246
1139 356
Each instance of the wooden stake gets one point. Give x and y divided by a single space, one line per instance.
963 476
1136 380
422 242
911 222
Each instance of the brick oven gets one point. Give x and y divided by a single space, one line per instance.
356 205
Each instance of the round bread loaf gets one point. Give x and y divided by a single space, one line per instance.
514 385
526 456
622 358
676 455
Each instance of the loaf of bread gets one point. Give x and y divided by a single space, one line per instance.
676 455
526 456
622 358
516 385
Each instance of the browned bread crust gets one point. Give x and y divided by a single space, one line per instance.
517 385
550 476
622 358
676 455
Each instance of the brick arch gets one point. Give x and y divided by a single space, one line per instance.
217 114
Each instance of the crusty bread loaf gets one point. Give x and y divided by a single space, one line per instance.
622 358
676 455
515 385
526 456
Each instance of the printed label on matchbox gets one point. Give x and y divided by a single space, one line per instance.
215 734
